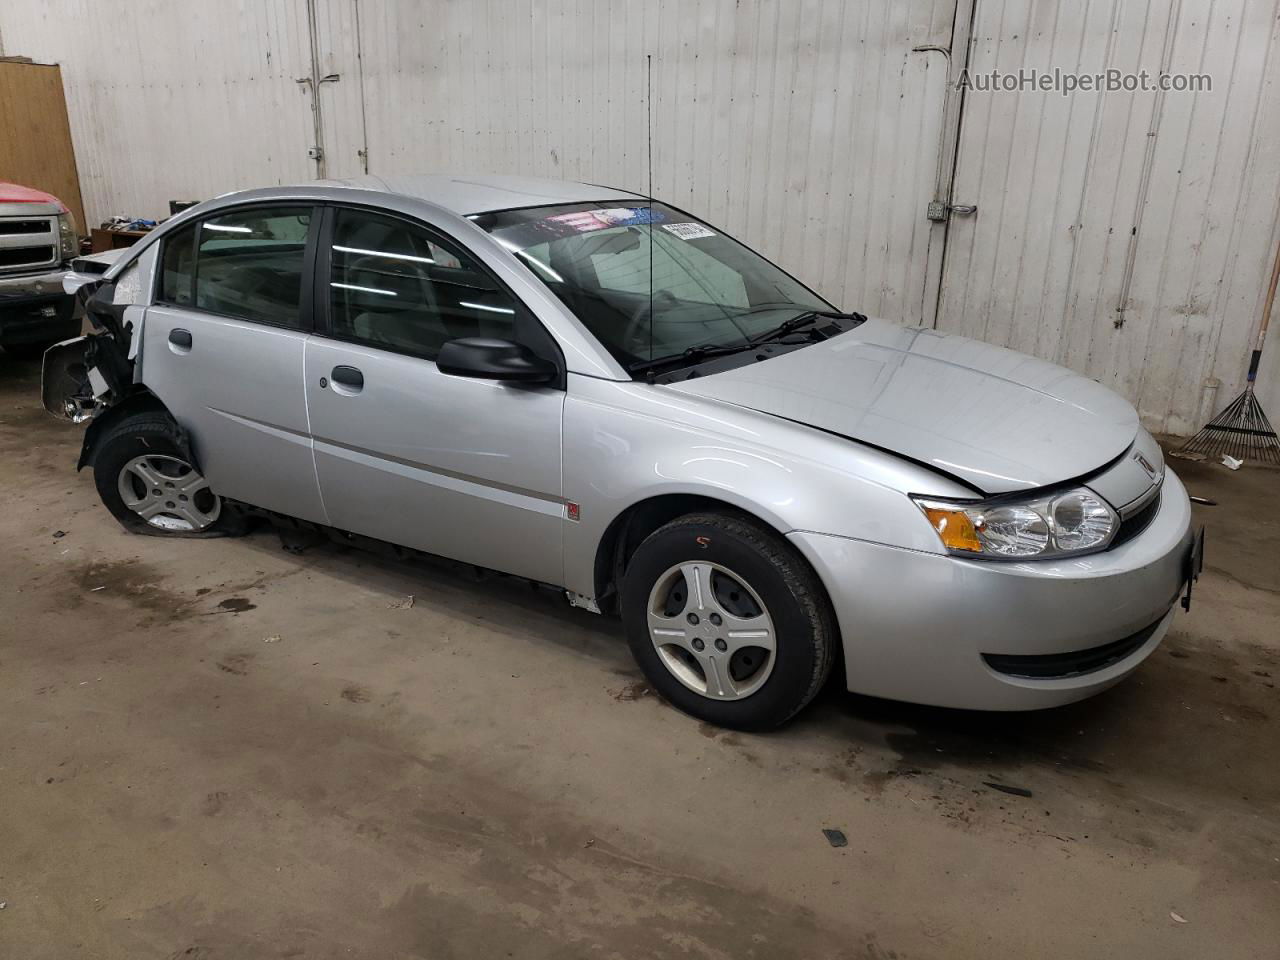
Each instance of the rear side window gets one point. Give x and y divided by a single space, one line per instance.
246 264
397 287
178 268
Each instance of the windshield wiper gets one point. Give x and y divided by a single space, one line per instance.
804 320
691 355
698 354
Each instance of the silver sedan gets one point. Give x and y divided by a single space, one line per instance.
591 389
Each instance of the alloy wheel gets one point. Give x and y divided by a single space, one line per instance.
168 493
711 630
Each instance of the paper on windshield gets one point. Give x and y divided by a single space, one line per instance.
688 231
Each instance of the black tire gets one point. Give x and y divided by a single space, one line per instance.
149 433
806 637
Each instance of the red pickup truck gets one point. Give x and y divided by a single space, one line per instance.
37 242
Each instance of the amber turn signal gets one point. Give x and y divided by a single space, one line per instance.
955 528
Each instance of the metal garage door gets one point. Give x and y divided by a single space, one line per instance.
816 130
1125 235
811 130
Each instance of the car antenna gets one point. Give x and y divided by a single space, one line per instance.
648 106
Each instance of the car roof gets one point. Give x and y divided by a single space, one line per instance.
481 194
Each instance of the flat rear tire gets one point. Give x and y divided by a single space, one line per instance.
151 486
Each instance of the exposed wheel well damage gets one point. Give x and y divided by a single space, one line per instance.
630 528
140 400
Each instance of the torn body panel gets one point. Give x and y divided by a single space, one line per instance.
96 366
95 378
66 389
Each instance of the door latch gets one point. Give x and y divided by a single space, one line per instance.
939 211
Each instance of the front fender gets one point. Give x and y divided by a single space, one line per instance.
627 442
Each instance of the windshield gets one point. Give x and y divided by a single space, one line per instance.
649 281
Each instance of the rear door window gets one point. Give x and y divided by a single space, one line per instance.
178 267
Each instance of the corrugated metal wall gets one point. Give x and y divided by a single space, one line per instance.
809 129
173 100
782 122
1067 188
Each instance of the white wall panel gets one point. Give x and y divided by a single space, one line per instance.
1269 374
174 100
1061 189
808 128
784 123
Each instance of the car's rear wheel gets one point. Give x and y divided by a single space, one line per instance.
727 621
149 484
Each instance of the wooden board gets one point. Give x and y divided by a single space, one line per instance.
35 138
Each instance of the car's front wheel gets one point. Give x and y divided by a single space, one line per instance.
150 485
727 621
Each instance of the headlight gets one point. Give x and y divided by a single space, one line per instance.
1059 524
67 239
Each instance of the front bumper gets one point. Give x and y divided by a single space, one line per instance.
35 309
926 628
32 286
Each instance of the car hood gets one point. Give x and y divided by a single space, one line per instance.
998 420
16 193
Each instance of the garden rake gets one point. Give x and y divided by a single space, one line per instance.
1242 430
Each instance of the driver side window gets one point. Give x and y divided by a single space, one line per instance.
246 264
395 286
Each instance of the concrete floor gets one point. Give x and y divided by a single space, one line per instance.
484 773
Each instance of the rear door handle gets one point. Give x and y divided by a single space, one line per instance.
348 377
180 338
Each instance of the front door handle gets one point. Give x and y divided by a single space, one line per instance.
180 338
348 377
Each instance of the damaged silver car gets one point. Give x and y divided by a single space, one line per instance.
590 389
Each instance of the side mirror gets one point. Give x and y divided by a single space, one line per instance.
489 359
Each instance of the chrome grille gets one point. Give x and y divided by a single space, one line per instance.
27 242
9 227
